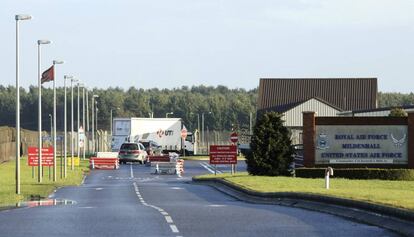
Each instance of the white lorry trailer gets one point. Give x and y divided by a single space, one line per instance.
164 131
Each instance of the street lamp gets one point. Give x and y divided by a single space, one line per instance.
111 121
87 110
72 80
18 18
170 113
83 121
54 118
202 127
93 126
65 127
78 123
39 74
97 132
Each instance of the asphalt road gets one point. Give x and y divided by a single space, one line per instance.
132 202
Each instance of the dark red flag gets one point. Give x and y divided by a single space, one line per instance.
48 75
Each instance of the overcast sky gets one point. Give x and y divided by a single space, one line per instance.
172 43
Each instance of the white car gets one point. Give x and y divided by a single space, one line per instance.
132 152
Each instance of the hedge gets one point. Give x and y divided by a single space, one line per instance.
358 173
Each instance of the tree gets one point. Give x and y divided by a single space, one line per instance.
397 112
271 150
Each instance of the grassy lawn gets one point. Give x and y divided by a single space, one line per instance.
29 186
392 193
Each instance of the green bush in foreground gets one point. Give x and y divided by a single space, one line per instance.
271 150
358 173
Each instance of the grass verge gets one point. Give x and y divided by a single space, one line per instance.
392 193
29 186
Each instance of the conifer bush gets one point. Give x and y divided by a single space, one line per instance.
271 148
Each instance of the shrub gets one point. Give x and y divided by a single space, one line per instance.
271 150
358 173
397 112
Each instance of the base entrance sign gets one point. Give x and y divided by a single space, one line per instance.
47 156
223 155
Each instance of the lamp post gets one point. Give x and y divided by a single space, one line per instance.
18 18
93 126
71 114
170 113
87 110
65 128
111 121
78 123
97 132
54 118
83 121
202 128
39 75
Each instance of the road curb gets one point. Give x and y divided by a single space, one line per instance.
395 219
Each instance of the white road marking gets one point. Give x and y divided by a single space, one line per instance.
206 167
176 188
98 189
174 229
132 173
169 219
210 168
216 205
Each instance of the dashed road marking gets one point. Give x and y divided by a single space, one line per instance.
167 217
132 172
174 229
176 188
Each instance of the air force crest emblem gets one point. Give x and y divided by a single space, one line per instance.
322 142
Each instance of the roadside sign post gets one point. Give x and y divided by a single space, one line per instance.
81 141
234 138
223 154
183 136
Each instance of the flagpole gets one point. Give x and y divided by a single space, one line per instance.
39 42
54 118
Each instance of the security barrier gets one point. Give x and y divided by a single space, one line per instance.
104 163
170 164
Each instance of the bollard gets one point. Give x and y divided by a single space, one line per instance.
179 167
93 164
328 172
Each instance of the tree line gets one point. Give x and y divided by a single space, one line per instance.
223 108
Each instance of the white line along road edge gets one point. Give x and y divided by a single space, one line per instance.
167 217
209 168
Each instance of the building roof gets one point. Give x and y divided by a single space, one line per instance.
405 107
343 93
286 107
